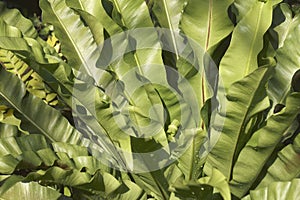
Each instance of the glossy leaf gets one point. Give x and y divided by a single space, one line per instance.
243 7
191 161
218 181
15 18
203 188
96 9
276 191
286 166
169 13
261 145
288 61
30 109
78 39
30 191
245 99
247 41
154 183
209 20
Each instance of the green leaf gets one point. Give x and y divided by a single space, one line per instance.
9 30
9 182
277 190
243 7
147 94
32 151
15 146
191 190
58 10
218 181
261 145
172 173
154 183
25 152
245 99
73 178
131 14
8 164
286 166
129 191
203 188
59 76
205 25
177 16
30 191
288 61
34 84
96 9
247 41
31 110
8 130
103 184
94 25
11 121
287 25
206 22
168 13
79 45
15 18
191 161
72 150
90 164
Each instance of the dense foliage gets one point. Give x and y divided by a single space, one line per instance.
155 99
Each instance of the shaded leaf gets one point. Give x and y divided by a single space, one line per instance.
244 99
30 191
261 145
288 61
286 166
247 41
206 22
30 109
277 191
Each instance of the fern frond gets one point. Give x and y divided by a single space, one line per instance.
34 83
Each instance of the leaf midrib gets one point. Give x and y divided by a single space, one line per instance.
171 28
78 52
209 22
247 70
240 128
72 41
26 116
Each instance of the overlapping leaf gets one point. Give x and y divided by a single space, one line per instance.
32 111
206 22
63 165
203 188
247 41
276 190
30 191
124 90
287 56
286 166
58 75
95 9
261 145
79 45
245 99
14 16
